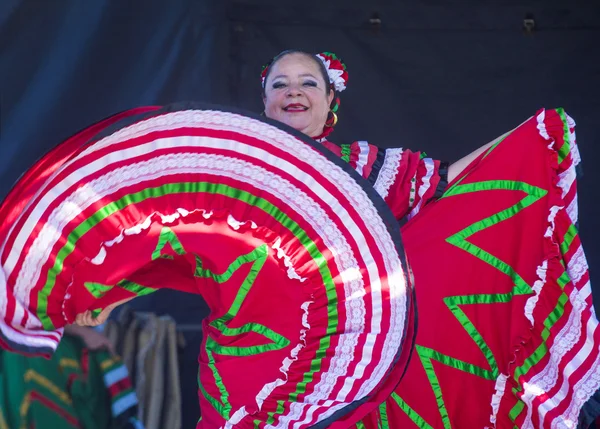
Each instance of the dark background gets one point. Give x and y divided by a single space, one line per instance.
444 76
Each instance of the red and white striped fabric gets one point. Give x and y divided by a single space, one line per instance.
297 257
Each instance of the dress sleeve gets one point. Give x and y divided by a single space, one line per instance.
407 180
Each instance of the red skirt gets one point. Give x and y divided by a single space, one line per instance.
507 333
299 260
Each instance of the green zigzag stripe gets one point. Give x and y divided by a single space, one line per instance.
426 355
257 258
412 414
564 150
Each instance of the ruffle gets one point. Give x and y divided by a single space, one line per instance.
561 337
443 183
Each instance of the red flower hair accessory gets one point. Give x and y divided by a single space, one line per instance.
336 69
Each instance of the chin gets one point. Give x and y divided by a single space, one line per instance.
297 125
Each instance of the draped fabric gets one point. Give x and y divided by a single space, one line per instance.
298 258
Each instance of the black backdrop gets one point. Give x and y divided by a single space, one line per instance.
436 75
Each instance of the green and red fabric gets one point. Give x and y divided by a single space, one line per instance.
297 256
117 393
507 331
69 390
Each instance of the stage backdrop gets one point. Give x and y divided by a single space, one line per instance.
440 76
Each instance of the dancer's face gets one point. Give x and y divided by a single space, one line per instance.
297 95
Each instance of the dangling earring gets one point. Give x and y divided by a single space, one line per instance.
333 120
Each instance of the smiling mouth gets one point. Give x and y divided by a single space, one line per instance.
295 108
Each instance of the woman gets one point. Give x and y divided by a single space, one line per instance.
301 90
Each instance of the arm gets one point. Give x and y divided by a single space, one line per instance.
456 168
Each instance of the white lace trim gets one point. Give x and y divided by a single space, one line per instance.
573 209
566 180
388 172
565 340
582 391
577 266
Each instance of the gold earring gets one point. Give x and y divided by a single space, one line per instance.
335 119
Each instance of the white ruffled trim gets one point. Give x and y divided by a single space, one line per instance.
140 227
537 288
571 334
291 272
363 156
575 156
268 388
388 172
573 210
236 224
497 397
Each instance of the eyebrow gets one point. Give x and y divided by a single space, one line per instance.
301 75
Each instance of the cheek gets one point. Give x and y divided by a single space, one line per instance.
320 106
271 104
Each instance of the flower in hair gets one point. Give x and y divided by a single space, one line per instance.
263 74
336 69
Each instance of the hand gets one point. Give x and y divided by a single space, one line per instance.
95 340
87 318
92 339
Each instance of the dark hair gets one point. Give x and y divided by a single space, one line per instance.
317 61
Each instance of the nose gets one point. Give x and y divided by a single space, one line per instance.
294 91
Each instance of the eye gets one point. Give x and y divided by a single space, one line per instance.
310 83
277 85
